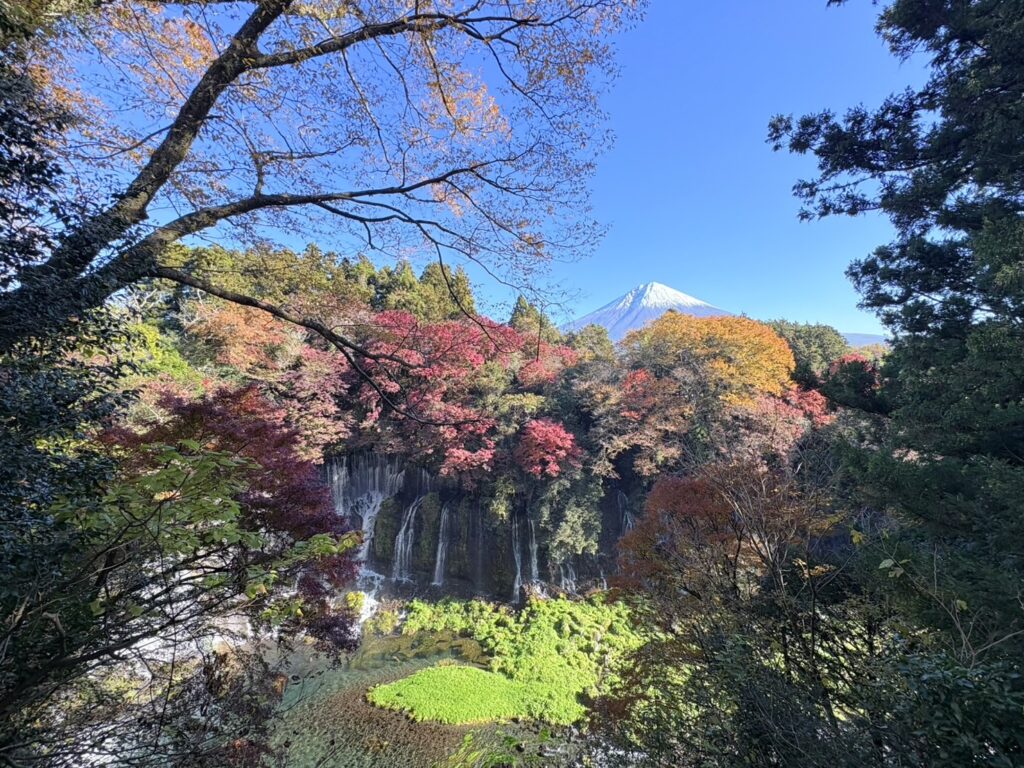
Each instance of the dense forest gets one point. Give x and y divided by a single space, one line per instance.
277 490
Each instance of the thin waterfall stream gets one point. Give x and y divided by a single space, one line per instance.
625 515
534 570
517 556
402 570
443 536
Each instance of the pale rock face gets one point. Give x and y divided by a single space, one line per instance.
640 306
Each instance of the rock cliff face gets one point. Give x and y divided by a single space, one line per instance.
425 535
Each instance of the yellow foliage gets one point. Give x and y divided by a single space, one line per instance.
744 357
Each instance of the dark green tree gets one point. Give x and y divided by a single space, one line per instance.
397 288
446 295
592 343
945 163
533 323
815 347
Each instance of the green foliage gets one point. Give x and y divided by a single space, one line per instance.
428 525
592 343
455 694
23 19
438 294
184 505
533 323
279 276
446 295
949 460
503 498
355 602
54 395
815 347
947 715
385 528
570 510
383 622
543 659
500 748
937 451
155 355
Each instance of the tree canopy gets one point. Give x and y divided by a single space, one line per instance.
815 347
417 145
744 357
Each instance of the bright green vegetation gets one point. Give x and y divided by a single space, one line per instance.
542 661
326 721
455 694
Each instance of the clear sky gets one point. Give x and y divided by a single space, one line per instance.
694 196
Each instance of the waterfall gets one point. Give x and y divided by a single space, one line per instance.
534 572
442 547
359 486
628 521
402 570
567 574
517 555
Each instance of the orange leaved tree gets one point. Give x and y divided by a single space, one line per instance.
744 358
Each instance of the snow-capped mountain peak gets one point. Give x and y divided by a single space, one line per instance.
640 306
660 295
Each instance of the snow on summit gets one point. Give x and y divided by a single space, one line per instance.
640 306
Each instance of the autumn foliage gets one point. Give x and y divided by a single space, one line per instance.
284 493
742 356
546 448
688 531
429 390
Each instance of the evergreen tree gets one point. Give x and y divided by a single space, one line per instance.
592 343
815 347
446 295
945 162
533 323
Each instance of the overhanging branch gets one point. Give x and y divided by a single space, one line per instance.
350 350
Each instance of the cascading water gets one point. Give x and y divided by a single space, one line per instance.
517 555
360 484
442 546
567 574
534 571
402 570
625 515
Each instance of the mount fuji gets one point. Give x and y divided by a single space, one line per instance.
650 301
640 306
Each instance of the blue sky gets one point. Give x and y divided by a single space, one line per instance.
693 195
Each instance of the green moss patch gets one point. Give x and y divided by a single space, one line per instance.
543 661
455 694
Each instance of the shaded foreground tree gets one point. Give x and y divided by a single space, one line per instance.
459 127
200 519
777 638
890 631
945 162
